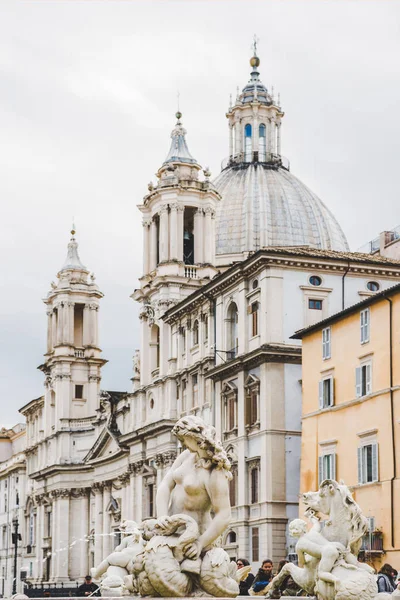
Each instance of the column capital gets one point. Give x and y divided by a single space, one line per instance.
146 222
174 206
163 209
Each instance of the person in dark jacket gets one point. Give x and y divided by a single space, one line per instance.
385 579
245 585
88 588
263 577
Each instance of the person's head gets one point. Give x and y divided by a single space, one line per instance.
386 569
88 579
281 564
201 438
394 573
297 528
267 565
242 562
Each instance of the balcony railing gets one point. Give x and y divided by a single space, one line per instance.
190 272
372 543
231 354
79 353
265 158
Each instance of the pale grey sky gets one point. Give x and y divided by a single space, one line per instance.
87 102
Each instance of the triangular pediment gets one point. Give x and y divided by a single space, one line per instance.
105 445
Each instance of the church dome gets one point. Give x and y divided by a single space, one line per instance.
264 205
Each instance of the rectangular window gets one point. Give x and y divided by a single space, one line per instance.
232 488
315 304
205 327
326 396
254 485
363 380
326 467
151 499
231 413
255 544
326 343
364 325
368 463
252 407
195 386
184 393
79 391
254 318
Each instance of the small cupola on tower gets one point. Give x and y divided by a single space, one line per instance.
178 215
73 357
255 122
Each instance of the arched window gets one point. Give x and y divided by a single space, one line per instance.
232 331
155 347
231 538
247 143
262 143
195 333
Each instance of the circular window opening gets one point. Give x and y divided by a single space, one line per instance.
151 403
255 284
373 286
315 280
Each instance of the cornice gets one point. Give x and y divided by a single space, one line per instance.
150 429
265 353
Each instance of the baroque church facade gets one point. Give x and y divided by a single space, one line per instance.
231 269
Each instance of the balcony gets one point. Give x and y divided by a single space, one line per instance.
231 354
267 159
79 353
191 271
372 543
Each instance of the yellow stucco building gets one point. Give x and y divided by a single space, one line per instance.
351 413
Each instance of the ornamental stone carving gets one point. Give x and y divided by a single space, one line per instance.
164 459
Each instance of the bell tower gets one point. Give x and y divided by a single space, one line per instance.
73 358
178 245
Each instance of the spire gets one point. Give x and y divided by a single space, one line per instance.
255 61
179 152
73 261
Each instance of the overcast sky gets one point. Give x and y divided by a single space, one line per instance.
87 102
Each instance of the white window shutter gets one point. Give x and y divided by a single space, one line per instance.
366 325
368 379
360 465
321 394
362 326
333 465
358 382
375 476
323 344
331 392
320 469
328 342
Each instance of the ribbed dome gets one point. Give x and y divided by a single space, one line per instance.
264 206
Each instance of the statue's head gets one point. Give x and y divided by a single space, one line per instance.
297 528
197 435
128 527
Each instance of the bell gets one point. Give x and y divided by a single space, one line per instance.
186 235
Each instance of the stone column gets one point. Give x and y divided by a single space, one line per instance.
71 337
198 236
153 245
39 539
146 246
49 330
164 234
106 521
62 558
230 139
54 539
59 323
84 531
272 134
208 244
131 505
173 231
255 132
278 138
86 325
238 148
93 325
179 234
53 328
98 526
65 334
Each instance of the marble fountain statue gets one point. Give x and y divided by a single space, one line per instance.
177 554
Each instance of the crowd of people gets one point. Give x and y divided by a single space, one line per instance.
388 579
258 583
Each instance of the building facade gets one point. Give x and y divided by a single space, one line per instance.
351 413
231 268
